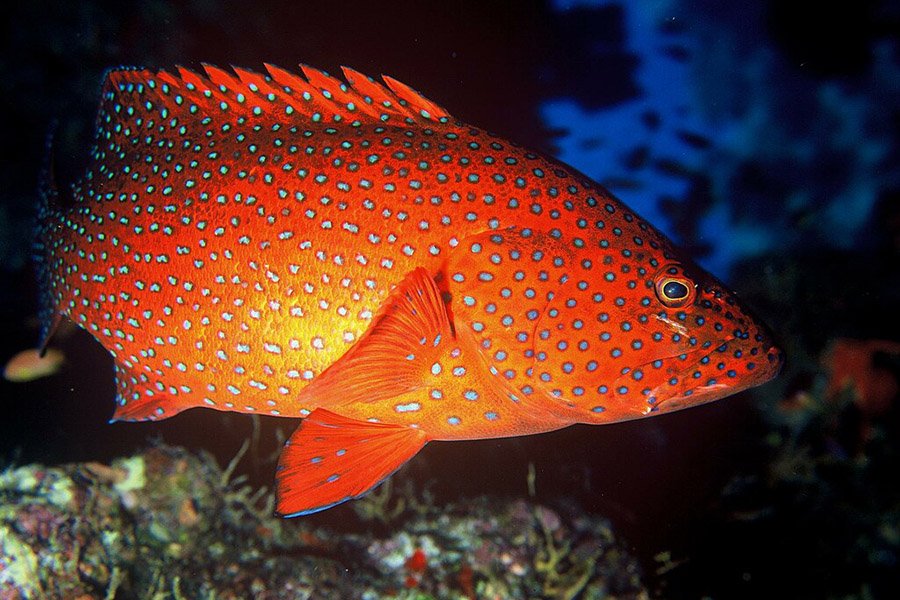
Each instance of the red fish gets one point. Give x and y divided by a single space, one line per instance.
352 255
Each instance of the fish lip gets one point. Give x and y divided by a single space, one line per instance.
768 368
654 407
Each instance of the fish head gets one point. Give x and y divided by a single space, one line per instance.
711 345
651 336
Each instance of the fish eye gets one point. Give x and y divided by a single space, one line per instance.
673 289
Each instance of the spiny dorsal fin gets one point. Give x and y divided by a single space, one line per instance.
279 94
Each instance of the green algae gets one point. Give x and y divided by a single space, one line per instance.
134 474
18 564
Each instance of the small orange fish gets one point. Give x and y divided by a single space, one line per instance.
350 254
32 364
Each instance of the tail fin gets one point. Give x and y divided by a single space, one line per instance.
48 223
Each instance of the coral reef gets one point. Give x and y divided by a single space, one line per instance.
171 524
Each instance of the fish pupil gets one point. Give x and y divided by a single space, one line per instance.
675 290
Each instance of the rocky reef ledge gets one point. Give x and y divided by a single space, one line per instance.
169 523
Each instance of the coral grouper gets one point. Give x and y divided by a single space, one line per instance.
352 255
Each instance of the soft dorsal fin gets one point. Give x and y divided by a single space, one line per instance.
141 96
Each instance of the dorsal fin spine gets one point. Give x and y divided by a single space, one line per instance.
278 93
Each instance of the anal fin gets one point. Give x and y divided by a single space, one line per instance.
330 459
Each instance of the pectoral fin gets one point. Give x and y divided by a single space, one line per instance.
414 368
395 354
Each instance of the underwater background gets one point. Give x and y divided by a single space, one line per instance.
761 136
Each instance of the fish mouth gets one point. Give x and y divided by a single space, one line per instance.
669 398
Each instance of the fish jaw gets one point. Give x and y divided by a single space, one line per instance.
714 382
